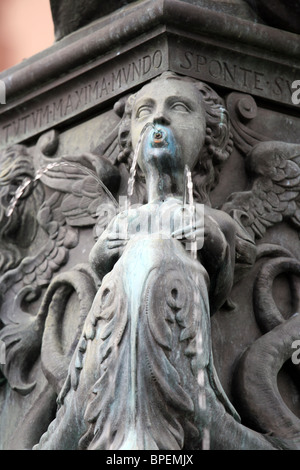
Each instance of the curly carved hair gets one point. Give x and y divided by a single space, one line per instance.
218 142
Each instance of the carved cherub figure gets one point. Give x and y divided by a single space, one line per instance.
142 375
193 132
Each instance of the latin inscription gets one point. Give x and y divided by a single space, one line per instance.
236 75
217 65
81 98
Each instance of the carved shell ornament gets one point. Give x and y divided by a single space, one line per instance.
107 392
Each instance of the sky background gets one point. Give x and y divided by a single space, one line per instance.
26 28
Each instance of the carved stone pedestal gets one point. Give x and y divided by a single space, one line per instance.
151 339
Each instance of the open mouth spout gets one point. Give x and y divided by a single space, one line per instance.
159 143
159 137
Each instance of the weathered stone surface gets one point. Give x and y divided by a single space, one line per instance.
69 16
118 328
262 61
280 14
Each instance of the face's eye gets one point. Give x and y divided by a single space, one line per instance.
143 111
180 107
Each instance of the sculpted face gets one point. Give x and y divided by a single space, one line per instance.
176 107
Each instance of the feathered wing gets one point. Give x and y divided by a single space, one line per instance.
275 192
87 182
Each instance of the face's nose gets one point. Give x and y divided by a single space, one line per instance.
161 118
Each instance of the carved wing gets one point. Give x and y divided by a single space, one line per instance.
274 195
87 181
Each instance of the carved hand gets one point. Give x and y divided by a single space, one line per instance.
206 232
215 234
109 247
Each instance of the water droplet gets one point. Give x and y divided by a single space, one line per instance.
188 203
132 173
42 171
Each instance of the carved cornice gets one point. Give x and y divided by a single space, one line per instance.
138 18
127 36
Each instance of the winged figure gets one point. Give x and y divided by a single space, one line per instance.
274 168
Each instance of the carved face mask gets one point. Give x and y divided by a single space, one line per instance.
175 109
